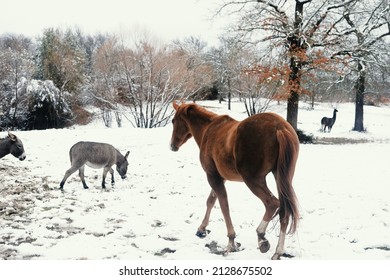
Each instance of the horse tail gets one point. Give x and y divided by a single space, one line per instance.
287 158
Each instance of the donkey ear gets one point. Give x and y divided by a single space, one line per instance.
127 154
11 136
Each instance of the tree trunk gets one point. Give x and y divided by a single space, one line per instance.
295 84
359 102
229 95
295 51
292 109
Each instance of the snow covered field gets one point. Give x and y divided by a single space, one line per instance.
343 190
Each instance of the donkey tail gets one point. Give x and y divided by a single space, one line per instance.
287 158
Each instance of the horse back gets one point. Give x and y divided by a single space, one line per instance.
239 149
257 146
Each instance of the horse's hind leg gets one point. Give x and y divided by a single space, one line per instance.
202 232
271 203
282 236
218 186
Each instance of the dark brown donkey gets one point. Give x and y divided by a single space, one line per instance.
96 155
243 151
12 145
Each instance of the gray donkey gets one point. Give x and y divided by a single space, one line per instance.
95 155
12 145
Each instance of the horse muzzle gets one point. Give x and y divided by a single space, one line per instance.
22 157
174 148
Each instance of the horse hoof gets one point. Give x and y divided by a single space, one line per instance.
276 256
264 246
202 233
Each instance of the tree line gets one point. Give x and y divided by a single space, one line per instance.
276 50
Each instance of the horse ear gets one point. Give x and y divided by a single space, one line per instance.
127 154
11 136
190 108
175 105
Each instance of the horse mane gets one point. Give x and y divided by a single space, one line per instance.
200 111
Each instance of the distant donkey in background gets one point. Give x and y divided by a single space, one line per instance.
96 155
11 144
328 122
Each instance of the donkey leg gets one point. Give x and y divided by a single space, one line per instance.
112 176
202 232
105 171
271 203
218 186
81 174
69 172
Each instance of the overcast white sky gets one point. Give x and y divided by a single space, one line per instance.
166 19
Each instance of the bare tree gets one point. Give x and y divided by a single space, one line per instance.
139 80
365 25
228 62
297 30
199 69
106 79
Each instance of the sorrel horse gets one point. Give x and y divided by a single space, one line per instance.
243 151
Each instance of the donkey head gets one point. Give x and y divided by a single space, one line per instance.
16 147
121 166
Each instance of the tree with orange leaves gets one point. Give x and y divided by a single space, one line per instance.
299 29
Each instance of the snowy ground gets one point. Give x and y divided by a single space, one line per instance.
343 190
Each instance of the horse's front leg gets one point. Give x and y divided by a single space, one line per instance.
202 232
218 186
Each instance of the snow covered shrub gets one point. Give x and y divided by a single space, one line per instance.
47 106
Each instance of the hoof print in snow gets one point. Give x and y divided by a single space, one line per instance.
165 251
157 223
215 249
286 255
168 238
8 254
384 248
218 250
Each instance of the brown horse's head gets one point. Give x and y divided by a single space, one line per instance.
181 132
